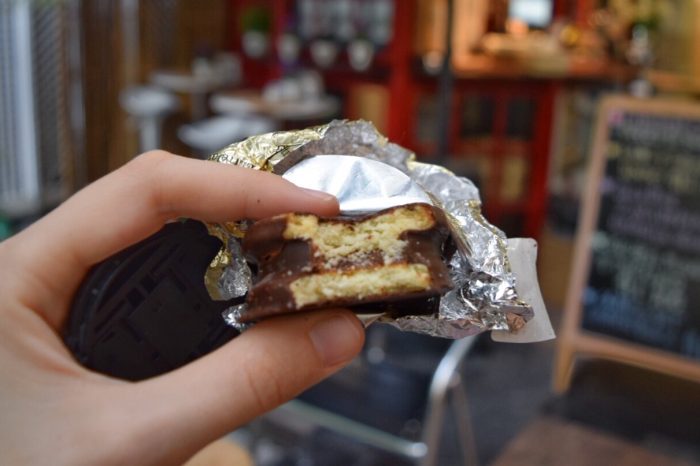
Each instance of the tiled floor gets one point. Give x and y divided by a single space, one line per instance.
550 441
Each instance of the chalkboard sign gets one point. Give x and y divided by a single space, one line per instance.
635 288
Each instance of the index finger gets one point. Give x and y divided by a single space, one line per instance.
134 202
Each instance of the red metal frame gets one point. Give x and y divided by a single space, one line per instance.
257 72
401 88
539 168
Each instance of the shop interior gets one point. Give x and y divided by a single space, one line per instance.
508 93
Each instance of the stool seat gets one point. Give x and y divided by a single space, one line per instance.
148 105
148 101
211 134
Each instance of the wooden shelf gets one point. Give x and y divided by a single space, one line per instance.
669 82
481 66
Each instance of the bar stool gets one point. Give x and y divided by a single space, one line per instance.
211 134
148 106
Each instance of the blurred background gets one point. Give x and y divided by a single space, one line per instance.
504 92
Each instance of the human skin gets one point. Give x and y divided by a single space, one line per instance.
54 411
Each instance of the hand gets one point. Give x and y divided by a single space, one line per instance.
53 411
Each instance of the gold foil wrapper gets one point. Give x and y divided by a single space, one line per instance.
262 152
265 151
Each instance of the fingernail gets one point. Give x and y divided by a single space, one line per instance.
335 339
318 194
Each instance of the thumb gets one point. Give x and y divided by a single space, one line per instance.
266 366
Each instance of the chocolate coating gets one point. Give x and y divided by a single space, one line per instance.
281 261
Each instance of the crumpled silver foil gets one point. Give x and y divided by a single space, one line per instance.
361 185
484 297
232 317
237 279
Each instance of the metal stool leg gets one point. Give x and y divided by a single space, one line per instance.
437 397
464 425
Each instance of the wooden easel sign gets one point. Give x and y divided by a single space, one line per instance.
634 291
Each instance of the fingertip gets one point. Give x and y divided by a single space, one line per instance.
324 203
319 195
337 338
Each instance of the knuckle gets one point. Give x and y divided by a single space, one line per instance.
148 172
147 165
7 260
154 157
266 387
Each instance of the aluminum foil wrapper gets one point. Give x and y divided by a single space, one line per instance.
367 173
